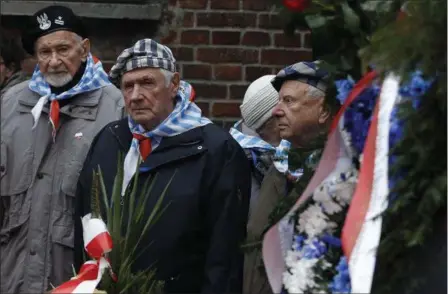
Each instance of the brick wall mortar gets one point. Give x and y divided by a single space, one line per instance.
245 40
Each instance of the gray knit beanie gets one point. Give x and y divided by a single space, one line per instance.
259 101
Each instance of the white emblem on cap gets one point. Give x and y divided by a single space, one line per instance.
44 23
59 21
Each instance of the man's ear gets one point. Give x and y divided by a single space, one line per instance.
85 46
174 86
324 113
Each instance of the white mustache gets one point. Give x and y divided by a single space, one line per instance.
52 71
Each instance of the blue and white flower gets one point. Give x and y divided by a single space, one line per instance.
315 236
341 282
313 221
344 87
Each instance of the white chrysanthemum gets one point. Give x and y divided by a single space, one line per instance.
314 222
288 282
322 196
292 257
331 207
325 264
312 211
321 193
344 192
300 277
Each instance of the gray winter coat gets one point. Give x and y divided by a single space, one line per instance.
38 183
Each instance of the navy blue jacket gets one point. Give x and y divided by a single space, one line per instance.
196 242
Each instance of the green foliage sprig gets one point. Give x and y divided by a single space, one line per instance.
128 223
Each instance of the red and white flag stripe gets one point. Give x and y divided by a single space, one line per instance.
362 229
97 242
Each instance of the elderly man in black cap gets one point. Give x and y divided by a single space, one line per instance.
47 126
196 241
303 116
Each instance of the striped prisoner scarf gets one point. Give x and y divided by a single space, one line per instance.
185 116
93 78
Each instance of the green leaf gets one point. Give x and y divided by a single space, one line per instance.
315 21
104 193
143 200
351 19
131 207
94 203
127 232
154 214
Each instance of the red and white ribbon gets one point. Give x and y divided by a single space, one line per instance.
53 114
97 242
362 229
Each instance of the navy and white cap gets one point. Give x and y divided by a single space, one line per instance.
48 20
306 72
145 53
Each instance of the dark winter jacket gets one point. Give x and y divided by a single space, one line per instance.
196 242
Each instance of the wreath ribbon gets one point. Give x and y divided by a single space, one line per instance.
97 243
361 232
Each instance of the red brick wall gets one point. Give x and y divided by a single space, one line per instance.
223 45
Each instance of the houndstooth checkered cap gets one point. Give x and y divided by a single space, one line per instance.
145 53
306 72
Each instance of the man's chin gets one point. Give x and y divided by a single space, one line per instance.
59 80
285 134
138 115
142 119
139 118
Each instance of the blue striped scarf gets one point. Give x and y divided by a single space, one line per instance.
185 116
94 77
280 153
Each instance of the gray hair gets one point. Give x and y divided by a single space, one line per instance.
77 37
314 92
168 76
331 104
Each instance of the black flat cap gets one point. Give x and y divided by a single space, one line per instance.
48 20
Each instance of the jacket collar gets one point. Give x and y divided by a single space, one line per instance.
124 136
88 99
170 149
83 105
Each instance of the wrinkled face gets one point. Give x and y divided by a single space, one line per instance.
269 132
299 116
60 55
148 96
